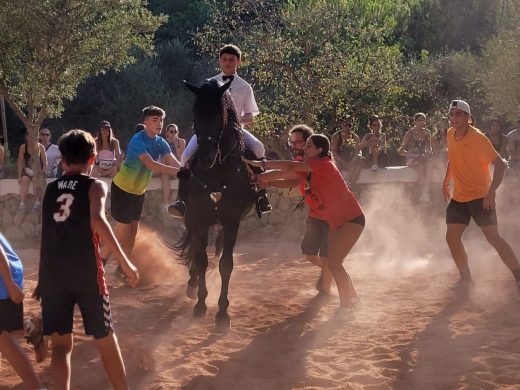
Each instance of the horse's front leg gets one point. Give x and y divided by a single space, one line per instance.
193 282
201 262
222 320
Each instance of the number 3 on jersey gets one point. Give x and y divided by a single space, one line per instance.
64 201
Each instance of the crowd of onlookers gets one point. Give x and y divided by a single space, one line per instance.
43 154
424 150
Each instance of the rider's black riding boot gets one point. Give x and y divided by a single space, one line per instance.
178 208
263 204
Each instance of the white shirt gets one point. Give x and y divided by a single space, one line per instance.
243 95
53 159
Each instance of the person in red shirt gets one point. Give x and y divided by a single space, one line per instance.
330 199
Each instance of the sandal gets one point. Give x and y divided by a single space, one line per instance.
34 335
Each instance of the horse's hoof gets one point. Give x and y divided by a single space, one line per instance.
222 322
191 292
199 311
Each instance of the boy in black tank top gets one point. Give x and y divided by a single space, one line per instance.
71 271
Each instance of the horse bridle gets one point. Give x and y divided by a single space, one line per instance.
215 196
218 154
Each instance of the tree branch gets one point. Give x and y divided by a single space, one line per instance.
19 113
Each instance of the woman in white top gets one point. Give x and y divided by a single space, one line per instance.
108 152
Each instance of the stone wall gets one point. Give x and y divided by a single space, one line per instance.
283 222
15 224
286 221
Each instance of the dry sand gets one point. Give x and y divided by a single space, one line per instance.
411 331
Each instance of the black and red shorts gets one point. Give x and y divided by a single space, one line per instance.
58 313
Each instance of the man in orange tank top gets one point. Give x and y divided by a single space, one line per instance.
469 154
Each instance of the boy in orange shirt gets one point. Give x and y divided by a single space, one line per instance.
469 154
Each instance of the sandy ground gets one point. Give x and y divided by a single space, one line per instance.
411 331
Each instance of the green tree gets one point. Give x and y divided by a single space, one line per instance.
185 17
316 60
120 96
500 67
441 26
50 46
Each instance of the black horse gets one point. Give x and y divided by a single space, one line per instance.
217 191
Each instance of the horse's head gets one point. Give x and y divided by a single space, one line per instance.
214 115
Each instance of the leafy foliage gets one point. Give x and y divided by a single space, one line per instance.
308 60
501 73
73 40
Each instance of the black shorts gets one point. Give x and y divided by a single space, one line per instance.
58 313
11 315
314 241
462 212
124 206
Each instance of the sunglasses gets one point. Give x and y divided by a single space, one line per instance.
45 134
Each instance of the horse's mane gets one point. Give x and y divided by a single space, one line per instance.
231 119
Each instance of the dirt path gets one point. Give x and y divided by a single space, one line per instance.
411 332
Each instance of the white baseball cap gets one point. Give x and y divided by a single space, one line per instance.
460 104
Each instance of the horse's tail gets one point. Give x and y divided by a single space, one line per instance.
183 248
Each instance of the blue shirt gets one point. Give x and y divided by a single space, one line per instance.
134 176
15 265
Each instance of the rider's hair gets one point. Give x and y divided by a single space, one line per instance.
230 49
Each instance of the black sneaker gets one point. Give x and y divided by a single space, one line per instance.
177 209
263 205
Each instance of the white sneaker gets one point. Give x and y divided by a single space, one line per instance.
22 207
37 205
373 168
